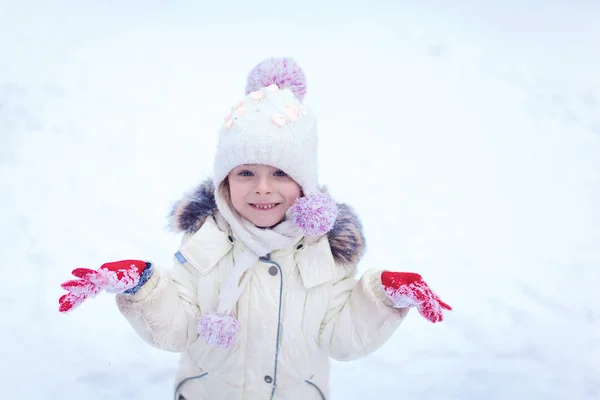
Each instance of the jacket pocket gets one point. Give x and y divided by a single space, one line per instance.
176 395
317 389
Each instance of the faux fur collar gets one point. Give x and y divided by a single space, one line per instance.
345 238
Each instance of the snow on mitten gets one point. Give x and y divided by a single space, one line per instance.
407 289
125 276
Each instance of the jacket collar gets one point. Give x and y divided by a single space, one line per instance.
315 260
317 264
345 239
205 247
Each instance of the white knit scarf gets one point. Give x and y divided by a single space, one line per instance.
258 242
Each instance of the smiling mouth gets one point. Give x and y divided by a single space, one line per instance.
264 206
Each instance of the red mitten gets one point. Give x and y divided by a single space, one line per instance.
113 277
407 289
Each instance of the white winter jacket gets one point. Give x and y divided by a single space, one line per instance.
301 307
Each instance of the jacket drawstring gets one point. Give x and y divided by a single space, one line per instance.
184 381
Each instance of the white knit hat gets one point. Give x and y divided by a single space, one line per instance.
271 126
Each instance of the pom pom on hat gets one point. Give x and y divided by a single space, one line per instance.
314 215
218 330
283 72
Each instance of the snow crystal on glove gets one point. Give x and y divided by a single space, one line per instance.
113 283
404 296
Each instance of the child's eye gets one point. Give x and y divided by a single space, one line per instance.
245 173
280 173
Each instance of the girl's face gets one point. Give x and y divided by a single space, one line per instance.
262 194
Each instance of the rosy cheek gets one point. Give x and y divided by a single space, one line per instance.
293 193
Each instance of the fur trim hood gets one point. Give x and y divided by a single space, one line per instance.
345 238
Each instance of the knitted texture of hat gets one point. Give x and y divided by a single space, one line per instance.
271 126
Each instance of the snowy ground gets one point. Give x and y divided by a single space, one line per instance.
467 138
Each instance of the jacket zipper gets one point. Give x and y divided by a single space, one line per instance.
267 260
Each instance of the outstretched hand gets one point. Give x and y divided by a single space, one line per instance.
407 289
114 277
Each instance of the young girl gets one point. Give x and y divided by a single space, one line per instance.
263 290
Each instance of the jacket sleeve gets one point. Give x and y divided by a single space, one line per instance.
360 318
164 311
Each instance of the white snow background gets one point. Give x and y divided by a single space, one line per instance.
467 138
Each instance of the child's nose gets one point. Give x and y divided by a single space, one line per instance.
264 186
